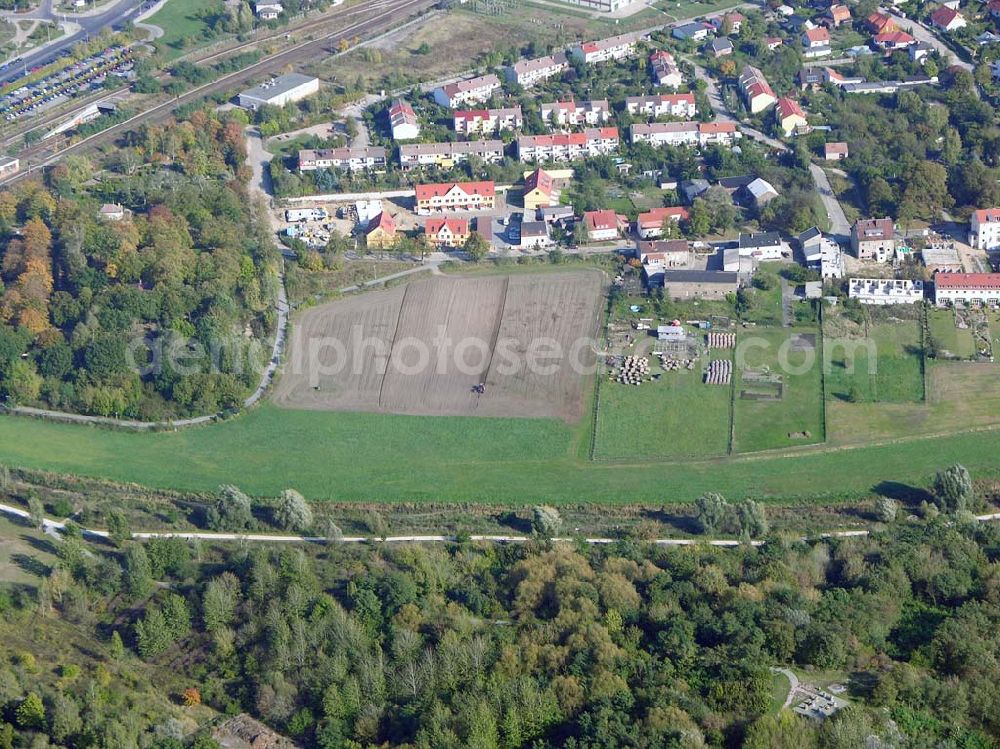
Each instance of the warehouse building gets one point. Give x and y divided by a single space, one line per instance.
279 91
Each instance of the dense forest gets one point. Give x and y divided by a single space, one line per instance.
104 313
533 645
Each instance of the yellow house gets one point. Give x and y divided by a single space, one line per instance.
538 190
790 116
380 233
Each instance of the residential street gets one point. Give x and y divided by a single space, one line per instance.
922 34
840 229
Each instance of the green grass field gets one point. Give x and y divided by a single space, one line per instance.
381 458
886 366
957 343
655 420
183 23
795 419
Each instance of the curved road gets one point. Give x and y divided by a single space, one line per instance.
115 17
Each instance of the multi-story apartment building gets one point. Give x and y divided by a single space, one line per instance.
529 72
487 121
449 154
686 133
568 146
576 114
672 105
463 93
455 196
371 158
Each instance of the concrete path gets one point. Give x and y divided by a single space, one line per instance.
793 684
432 267
49 524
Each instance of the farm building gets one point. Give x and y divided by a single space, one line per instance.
702 284
279 91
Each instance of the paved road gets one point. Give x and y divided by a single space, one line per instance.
793 684
923 34
840 229
115 17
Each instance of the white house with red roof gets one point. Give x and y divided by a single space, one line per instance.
613 48
603 226
967 288
984 229
817 37
649 225
947 19
487 121
733 20
576 114
892 40
455 196
447 231
664 68
529 72
672 105
686 133
403 120
471 91
590 142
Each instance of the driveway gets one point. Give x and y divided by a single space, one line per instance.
840 229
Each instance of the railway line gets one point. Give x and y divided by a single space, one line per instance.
388 13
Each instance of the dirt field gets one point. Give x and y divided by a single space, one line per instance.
421 348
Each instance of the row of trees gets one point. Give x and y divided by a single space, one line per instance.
536 644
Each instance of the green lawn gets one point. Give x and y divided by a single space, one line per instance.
795 419
780 686
948 339
654 420
886 365
183 23
380 458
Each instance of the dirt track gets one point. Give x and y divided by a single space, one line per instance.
421 348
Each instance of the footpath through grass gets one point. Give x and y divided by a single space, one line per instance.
382 458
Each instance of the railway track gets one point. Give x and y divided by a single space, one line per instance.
389 13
